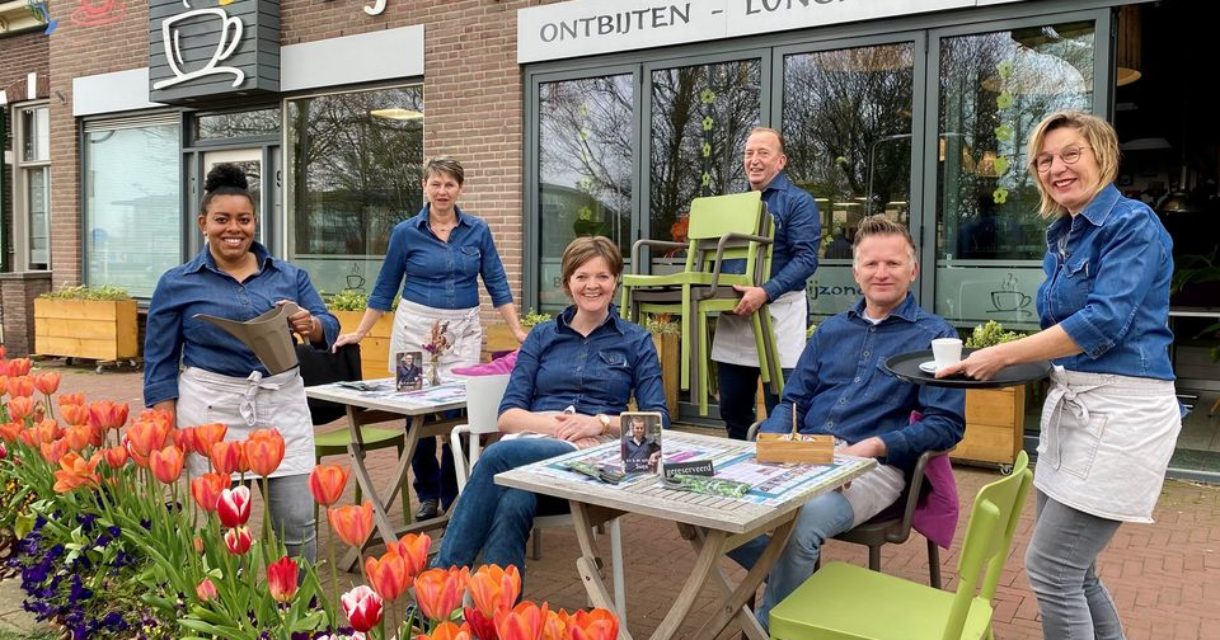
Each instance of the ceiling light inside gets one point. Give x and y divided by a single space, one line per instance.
397 113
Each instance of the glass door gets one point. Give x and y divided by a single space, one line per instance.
251 162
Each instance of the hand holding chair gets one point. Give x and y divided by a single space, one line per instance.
843 601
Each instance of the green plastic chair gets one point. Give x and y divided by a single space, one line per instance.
721 228
843 601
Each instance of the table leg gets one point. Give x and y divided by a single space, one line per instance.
586 564
712 550
381 519
733 604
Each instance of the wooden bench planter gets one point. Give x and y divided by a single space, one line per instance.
995 426
375 347
668 351
103 330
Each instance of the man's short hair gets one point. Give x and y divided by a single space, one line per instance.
778 136
880 225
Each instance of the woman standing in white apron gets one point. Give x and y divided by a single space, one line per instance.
1111 417
222 380
441 252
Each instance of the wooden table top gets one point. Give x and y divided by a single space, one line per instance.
380 395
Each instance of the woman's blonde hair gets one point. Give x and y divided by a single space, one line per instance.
582 250
1101 138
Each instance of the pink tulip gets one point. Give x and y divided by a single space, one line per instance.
205 590
362 606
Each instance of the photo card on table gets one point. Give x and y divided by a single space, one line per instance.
641 441
408 371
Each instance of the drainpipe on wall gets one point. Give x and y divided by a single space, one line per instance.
5 226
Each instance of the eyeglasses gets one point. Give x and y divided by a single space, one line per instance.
1043 161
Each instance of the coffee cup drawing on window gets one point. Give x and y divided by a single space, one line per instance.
641 441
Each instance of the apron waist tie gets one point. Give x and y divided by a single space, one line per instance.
249 407
1067 396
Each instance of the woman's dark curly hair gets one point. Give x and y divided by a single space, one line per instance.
225 179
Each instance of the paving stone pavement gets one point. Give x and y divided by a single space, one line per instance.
1165 577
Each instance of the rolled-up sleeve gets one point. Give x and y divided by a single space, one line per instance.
162 345
1127 265
941 427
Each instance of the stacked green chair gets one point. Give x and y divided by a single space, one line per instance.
843 601
721 228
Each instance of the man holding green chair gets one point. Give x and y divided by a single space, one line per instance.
840 387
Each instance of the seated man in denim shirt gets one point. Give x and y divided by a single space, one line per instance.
840 388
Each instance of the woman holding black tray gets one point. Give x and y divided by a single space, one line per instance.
1111 416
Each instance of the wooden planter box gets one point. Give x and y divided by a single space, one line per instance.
995 426
498 338
92 329
375 347
668 349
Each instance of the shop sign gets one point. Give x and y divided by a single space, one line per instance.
591 27
206 51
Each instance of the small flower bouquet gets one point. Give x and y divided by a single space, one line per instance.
438 343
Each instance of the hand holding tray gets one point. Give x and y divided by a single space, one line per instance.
906 366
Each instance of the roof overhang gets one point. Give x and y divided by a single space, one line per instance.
16 16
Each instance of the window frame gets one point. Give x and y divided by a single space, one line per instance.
22 168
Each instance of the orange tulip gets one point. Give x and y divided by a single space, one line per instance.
115 457
439 591
71 399
555 627
53 451
166 464
21 387
19 367
351 523
494 589
183 439
27 436
282 579
78 436
205 590
523 622
20 408
327 482
448 631
387 575
207 435
206 490
74 414
10 430
46 382
112 415
229 457
3 382
413 548
598 624
265 450
144 436
74 472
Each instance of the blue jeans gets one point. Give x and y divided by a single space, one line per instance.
497 520
823 517
738 385
433 480
290 505
1061 562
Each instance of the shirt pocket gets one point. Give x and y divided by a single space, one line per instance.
1075 285
471 260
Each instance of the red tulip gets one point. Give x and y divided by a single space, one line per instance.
387 575
598 624
53 451
21 387
523 622
327 482
229 457
207 435
71 399
78 436
19 367
265 450
47 382
282 579
205 590
115 457
439 591
233 506
206 490
112 415
484 628
3 451
166 464
362 606
351 523
447 631
237 540
413 548
74 472
494 589
20 407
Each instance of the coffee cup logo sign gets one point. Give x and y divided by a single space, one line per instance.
376 8
230 36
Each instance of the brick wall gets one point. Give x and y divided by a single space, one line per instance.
21 54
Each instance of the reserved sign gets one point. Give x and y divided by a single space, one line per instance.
690 468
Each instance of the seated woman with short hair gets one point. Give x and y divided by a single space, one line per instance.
574 375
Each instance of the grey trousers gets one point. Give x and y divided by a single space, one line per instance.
1061 563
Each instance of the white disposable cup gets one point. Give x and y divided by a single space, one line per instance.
946 351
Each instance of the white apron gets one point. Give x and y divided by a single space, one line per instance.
1106 442
734 341
246 404
413 328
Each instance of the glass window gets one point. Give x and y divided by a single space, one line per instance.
701 117
354 162
585 153
243 124
994 89
133 204
32 222
847 134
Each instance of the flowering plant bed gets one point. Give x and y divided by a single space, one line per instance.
114 541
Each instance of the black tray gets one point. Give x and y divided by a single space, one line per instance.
906 366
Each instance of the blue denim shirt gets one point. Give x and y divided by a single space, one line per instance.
557 367
198 286
798 231
840 386
1107 284
441 275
